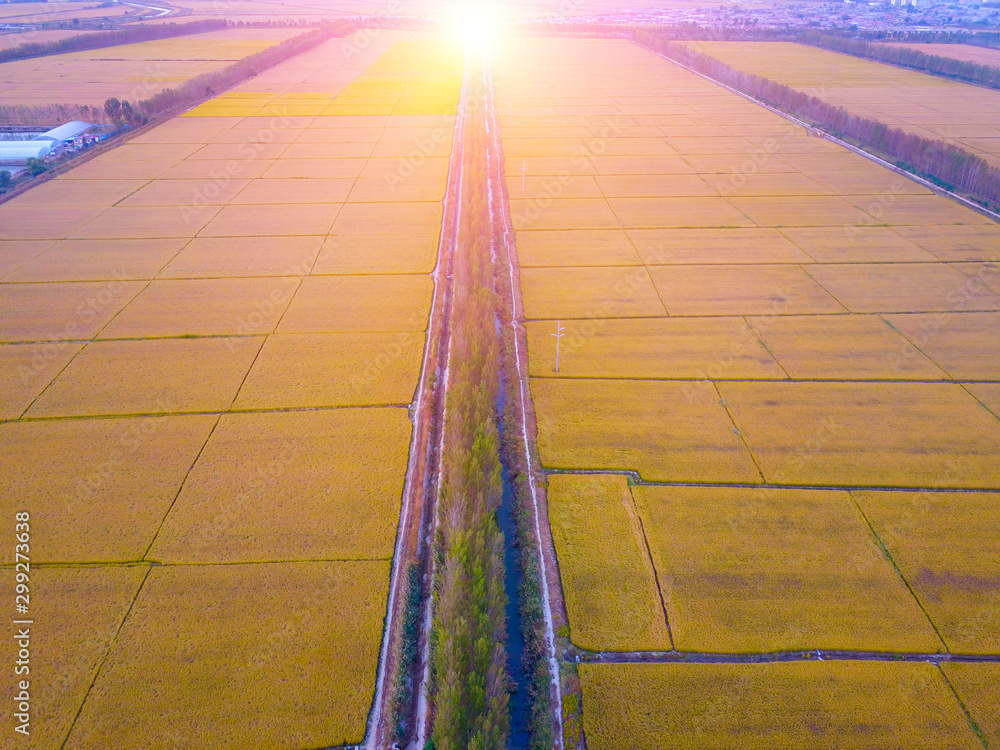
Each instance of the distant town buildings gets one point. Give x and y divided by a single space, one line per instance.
888 16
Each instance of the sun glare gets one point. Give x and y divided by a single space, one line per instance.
476 24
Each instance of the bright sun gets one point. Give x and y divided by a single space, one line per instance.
476 23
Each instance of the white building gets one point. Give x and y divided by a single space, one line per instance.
16 153
65 133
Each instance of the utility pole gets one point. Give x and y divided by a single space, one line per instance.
560 332
524 171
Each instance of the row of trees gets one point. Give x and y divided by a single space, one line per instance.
114 112
99 39
469 679
47 115
949 166
976 38
907 57
402 689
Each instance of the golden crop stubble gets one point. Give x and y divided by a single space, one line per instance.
664 430
308 634
760 570
611 595
825 705
946 545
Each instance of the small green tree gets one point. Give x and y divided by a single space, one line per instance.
35 166
5 181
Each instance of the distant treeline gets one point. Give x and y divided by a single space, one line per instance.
50 115
989 39
907 57
469 679
99 39
949 166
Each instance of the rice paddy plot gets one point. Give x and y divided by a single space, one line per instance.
929 434
710 246
975 685
295 625
843 347
98 260
741 290
205 307
333 369
965 345
151 376
82 610
114 478
664 430
61 311
903 287
764 570
611 594
945 544
26 370
598 292
299 485
651 348
826 704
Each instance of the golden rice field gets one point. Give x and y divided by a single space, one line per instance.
210 339
611 592
869 706
747 570
932 107
129 71
778 371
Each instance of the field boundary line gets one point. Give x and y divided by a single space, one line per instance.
519 331
107 654
80 564
772 657
936 189
634 477
789 379
736 429
652 564
180 488
197 413
961 704
888 555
